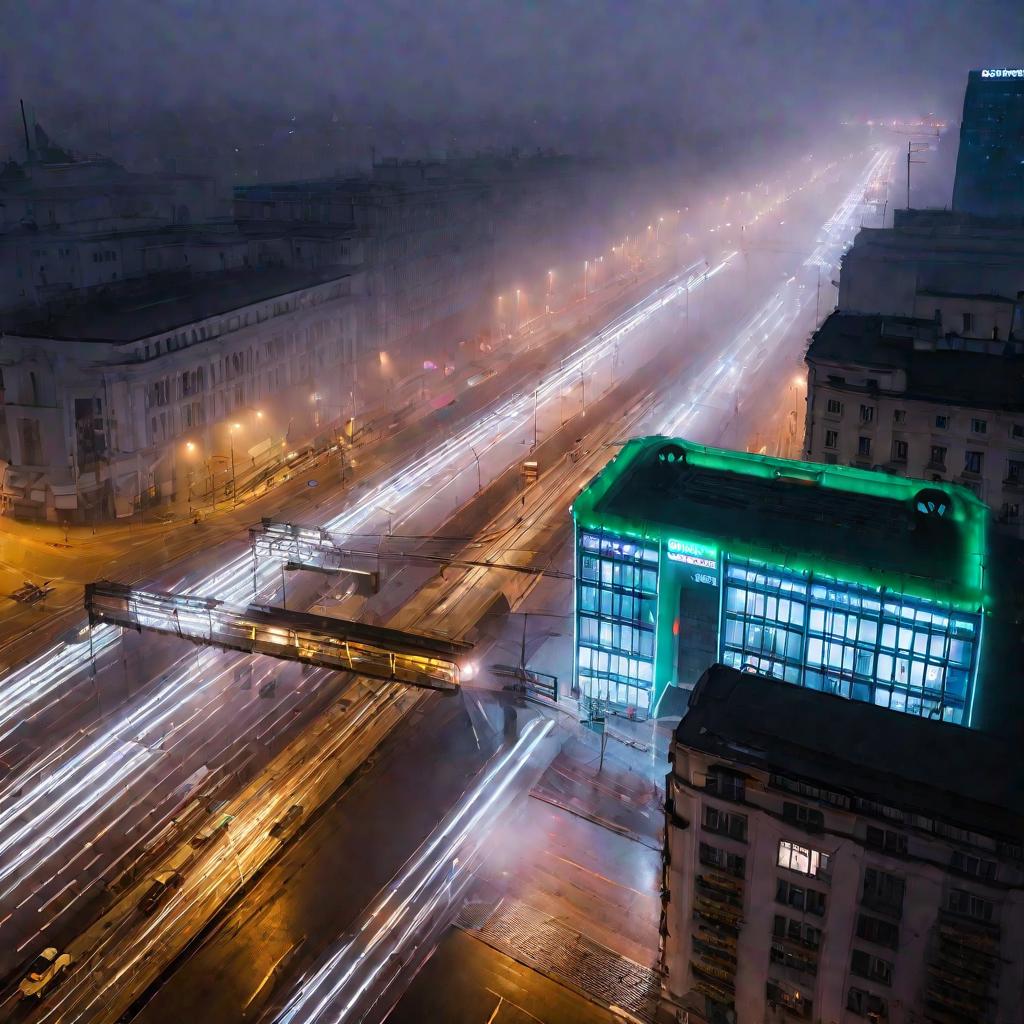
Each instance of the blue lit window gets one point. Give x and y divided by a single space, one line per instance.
906 654
617 608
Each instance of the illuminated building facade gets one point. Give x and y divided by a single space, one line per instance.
857 583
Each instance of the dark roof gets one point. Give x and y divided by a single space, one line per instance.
795 513
960 775
938 369
165 303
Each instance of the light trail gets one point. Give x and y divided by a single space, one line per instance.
48 817
773 322
409 901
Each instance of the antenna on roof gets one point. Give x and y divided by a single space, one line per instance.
24 125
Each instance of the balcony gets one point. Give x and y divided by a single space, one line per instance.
881 905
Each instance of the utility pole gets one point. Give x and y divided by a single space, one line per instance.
912 148
24 125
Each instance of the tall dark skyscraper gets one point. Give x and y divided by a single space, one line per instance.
990 164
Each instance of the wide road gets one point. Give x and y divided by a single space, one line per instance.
88 804
711 398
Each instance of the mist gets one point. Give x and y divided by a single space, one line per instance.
258 89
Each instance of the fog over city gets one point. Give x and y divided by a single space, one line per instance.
511 512
326 81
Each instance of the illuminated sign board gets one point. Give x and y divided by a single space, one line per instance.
1003 73
702 556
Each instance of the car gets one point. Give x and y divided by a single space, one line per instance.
163 883
44 972
282 824
213 833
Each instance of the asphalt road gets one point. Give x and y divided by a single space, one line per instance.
318 887
228 712
468 982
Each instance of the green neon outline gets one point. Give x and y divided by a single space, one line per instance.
964 588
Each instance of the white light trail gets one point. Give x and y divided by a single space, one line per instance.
773 322
336 987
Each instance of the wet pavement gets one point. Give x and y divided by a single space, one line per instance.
469 982
318 887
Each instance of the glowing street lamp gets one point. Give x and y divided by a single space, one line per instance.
231 447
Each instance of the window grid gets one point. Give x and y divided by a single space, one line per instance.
907 654
616 600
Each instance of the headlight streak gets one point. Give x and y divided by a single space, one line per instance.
99 787
315 997
771 324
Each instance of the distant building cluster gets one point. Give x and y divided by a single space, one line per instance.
919 370
156 335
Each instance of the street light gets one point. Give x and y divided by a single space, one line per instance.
547 304
231 446
519 319
586 268
479 479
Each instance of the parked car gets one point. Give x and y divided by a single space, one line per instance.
44 972
163 883
282 825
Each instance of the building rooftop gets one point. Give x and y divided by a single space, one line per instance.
963 776
163 303
951 370
871 527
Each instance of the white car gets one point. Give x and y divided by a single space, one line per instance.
47 968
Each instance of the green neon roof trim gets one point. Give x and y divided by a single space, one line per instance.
857 525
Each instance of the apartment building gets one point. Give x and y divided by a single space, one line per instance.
826 860
900 394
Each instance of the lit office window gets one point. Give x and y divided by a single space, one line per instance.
802 859
616 603
902 653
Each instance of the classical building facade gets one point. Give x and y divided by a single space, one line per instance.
827 861
143 396
901 395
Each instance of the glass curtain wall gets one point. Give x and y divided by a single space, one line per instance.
616 601
903 653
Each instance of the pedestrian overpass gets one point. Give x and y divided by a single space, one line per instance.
395 655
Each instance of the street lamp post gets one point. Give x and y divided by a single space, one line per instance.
534 448
231 448
479 478
547 300
586 269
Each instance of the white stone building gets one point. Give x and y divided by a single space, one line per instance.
937 259
826 860
898 394
144 395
